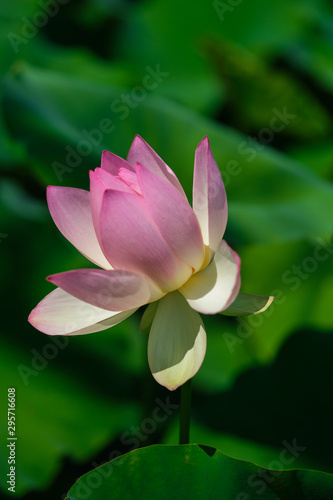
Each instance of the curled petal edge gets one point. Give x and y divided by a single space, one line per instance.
247 304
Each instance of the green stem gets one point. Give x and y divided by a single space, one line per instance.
185 413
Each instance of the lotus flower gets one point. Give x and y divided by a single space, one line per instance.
152 248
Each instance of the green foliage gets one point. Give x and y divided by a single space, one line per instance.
268 405
256 78
194 471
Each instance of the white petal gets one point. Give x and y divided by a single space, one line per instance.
59 313
177 342
214 288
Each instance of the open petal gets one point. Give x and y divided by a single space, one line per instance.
173 216
71 212
132 241
246 304
112 163
141 152
214 288
209 196
114 290
62 314
177 342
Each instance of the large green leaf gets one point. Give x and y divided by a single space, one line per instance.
256 92
271 197
197 472
242 448
146 38
299 275
318 157
314 54
13 46
56 415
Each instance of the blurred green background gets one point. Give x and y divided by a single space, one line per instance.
257 78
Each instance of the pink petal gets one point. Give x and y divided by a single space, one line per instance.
70 210
209 196
112 163
214 288
132 241
110 181
130 179
173 216
141 152
62 314
114 290
100 180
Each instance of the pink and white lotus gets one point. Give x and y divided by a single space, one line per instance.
151 247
